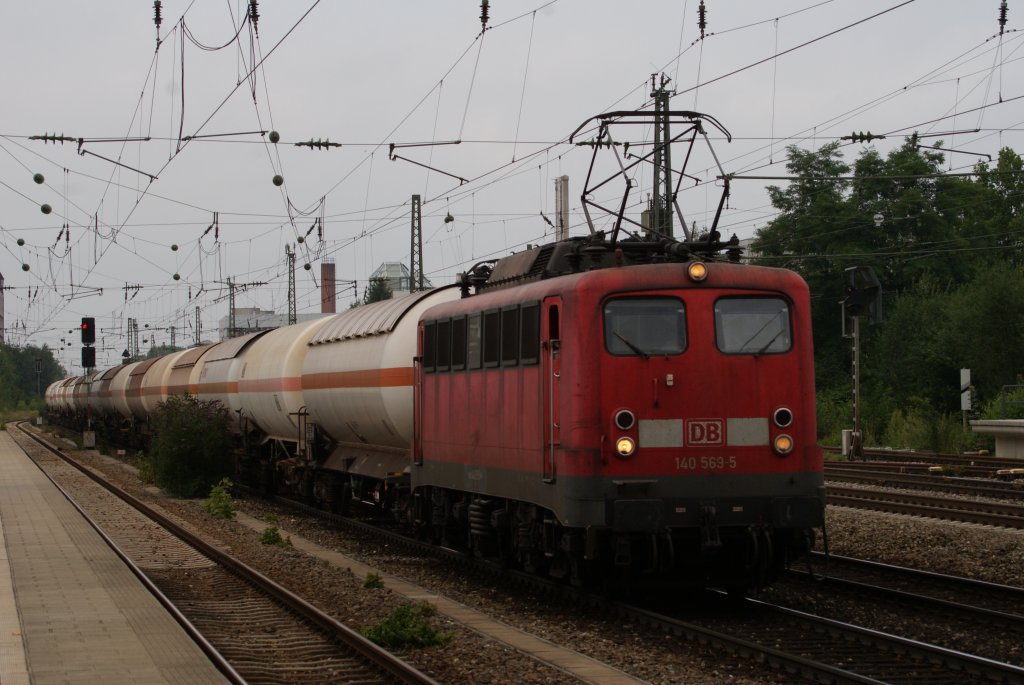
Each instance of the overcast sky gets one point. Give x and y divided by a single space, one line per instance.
369 74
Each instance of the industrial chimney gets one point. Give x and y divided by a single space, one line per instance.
328 298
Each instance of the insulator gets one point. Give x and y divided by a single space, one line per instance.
484 9
1002 17
702 18
254 15
157 19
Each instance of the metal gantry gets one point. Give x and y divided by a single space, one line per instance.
416 247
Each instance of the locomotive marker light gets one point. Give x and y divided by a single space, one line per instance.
625 447
697 271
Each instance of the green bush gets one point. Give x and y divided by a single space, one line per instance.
835 412
408 626
921 427
373 581
191 450
1006 405
272 536
219 504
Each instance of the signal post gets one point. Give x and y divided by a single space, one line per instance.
88 329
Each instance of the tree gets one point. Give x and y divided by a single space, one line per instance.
987 331
933 250
911 355
814 234
377 291
191 451
20 384
1003 208
159 351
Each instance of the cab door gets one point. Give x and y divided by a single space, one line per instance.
551 372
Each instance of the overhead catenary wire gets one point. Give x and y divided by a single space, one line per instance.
501 173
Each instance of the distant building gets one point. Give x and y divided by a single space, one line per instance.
747 252
396 275
253 319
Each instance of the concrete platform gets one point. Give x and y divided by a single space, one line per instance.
70 610
1009 434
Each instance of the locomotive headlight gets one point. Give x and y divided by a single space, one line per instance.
625 447
697 271
782 417
625 419
783 444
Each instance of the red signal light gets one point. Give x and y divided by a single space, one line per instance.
88 330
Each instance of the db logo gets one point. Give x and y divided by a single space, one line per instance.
704 432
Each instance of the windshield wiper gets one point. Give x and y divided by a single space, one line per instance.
758 332
631 346
769 343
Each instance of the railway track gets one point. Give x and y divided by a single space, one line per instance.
256 630
985 619
993 602
817 648
830 651
982 462
1006 515
881 475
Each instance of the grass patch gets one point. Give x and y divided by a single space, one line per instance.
147 472
373 582
408 626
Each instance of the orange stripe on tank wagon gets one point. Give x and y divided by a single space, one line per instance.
288 384
216 388
370 378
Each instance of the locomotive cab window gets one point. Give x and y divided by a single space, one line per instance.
645 326
752 325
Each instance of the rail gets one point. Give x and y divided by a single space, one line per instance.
398 670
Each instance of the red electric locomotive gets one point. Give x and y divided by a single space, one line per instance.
624 406
586 411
